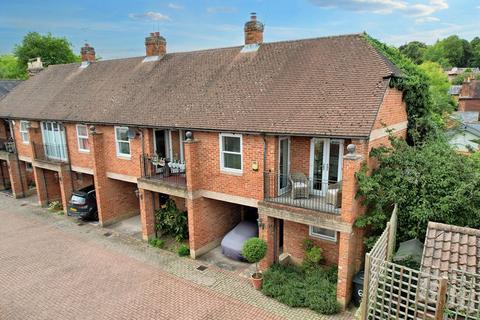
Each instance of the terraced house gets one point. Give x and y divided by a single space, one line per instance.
272 132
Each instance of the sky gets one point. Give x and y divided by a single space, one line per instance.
117 28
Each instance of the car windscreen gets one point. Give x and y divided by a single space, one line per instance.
76 199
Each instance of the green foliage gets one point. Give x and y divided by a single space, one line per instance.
157 243
254 250
171 221
428 181
415 50
415 87
183 250
313 256
52 50
55 206
314 288
10 68
409 262
442 102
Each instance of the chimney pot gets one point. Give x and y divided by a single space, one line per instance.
253 30
155 45
88 53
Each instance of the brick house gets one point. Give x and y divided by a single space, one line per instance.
469 97
267 131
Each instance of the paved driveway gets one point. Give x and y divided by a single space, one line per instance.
53 268
46 273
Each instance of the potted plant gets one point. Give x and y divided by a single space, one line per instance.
254 250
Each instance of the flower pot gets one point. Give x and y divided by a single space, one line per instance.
257 280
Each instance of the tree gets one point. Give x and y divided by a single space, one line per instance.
10 68
429 182
414 50
475 59
52 50
442 102
254 250
436 53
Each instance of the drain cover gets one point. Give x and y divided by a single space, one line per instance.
107 234
23 205
202 268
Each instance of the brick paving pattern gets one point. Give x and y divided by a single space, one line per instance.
52 268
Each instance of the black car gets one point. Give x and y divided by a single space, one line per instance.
83 204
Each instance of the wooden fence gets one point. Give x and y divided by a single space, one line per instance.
392 291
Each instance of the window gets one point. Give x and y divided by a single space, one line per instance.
231 152
82 138
326 234
54 142
24 131
122 142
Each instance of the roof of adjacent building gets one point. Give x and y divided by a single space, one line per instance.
454 90
7 85
331 86
449 247
457 70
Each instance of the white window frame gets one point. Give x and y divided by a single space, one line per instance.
222 152
24 132
79 137
313 234
117 144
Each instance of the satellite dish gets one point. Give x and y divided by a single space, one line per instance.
131 133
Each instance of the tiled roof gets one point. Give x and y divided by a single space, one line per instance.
454 90
449 247
330 86
6 86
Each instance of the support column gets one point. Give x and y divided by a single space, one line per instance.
66 187
266 232
194 207
41 186
351 249
18 177
100 175
147 214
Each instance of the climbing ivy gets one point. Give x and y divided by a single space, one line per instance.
413 82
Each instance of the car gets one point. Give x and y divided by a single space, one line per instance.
232 242
83 204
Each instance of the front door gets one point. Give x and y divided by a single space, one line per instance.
326 157
283 164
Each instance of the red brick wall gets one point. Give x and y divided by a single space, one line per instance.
393 109
81 180
207 172
300 155
469 105
77 158
53 185
293 236
210 220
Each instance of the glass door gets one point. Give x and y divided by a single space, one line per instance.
53 135
326 157
283 164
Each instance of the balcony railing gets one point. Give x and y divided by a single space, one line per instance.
171 172
296 190
50 152
7 145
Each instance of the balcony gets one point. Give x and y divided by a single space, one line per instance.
50 152
164 171
297 190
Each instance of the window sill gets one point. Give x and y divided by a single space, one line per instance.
231 172
319 237
124 157
84 151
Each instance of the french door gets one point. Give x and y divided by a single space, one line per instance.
54 143
326 156
283 164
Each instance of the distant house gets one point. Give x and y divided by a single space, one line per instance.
6 86
464 134
469 97
454 91
455 71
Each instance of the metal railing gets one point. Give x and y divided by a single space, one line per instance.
172 172
299 191
7 145
50 152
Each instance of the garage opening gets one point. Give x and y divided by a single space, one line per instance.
5 185
230 226
83 201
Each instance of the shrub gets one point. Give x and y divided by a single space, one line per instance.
312 258
183 250
55 206
321 296
254 250
171 221
157 243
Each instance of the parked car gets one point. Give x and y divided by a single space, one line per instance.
233 241
83 204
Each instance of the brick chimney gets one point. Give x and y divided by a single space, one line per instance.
34 66
253 30
88 53
155 45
